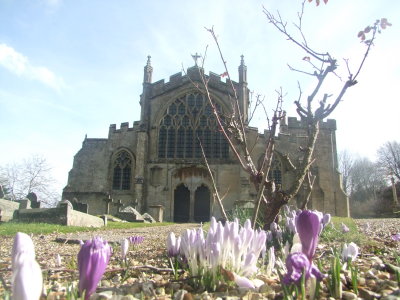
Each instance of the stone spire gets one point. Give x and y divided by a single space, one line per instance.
242 71
243 91
148 71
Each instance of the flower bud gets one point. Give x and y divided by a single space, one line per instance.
27 280
92 262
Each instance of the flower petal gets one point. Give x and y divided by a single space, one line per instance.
243 282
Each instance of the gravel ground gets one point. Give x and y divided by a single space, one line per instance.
375 280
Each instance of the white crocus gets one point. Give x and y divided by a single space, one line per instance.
271 261
58 260
124 248
350 252
243 282
22 245
27 278
296 247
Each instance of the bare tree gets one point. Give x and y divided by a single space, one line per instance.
346 161
322 65
389 158
365 180
32 175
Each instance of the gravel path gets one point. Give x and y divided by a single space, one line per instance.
151 251
376 280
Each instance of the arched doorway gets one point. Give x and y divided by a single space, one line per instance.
202 204
181 204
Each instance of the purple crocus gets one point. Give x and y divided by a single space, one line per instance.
396 237
308 225
296 264
326 219
92 262
136 240
345 229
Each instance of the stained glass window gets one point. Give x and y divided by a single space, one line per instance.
186 121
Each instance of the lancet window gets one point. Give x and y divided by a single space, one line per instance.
186 121
275 172
122 171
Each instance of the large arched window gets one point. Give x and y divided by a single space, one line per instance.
122 171
186 121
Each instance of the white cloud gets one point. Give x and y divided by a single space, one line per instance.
19 64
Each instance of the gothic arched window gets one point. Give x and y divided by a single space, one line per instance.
186 121
275 172
122 171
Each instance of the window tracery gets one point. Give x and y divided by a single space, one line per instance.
186 121
122 171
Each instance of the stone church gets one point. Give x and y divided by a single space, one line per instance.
157 162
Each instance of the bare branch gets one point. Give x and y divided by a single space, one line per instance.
221 206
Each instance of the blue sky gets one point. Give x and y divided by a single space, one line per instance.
70 68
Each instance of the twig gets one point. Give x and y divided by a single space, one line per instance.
213 182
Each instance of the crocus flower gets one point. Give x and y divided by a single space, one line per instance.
58 260
271 261
136 240
92 262
124 248
173 245
308 225
326 219
345 229
350 252
296 264
291 225
396 237
243 282
27 279
22 245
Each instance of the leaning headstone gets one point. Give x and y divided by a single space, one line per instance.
130 214
148 218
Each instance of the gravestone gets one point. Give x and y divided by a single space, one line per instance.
7 209
148 218
78 206
130 214
34 200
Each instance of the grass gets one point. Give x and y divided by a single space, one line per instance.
334 233
11 228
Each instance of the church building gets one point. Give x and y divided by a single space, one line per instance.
158 163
